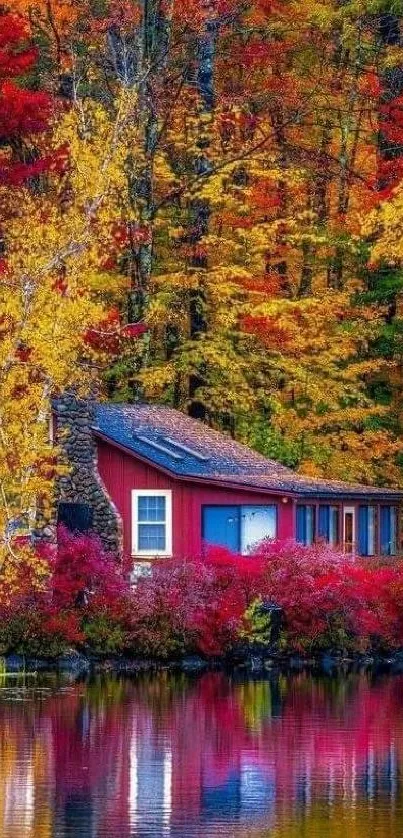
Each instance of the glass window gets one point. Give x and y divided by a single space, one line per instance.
393 530
371 531
221 525
239 528
310 525
152 537
328 524
152 523
306 524
151 508
334 523
389 530
367 530
257 523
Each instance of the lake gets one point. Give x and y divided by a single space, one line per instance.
212 755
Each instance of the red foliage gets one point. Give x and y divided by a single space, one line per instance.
370 85
188 606
82 569
391 116
265 197
270 283
328 601
195 13
105 336
257 53
109 334
16 54
23 353
134 330
14 174
23 112
267 330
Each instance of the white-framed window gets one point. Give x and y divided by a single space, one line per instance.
349 527
151 522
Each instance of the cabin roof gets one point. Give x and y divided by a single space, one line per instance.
187 448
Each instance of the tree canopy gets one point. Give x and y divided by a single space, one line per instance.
201 204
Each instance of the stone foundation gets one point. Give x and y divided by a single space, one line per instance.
73 421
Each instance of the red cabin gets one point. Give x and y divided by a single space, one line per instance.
176 485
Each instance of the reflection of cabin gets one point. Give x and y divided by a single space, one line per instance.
169 484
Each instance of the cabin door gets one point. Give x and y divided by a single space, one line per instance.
349 529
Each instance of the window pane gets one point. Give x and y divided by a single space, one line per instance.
152 537
221 525
393 531
388 530
334 525
363 530
310 525
306 524
324 523
151 508
257 523
301 524
371 531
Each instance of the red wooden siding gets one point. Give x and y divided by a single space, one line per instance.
122 473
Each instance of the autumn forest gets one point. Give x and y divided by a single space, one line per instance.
202 205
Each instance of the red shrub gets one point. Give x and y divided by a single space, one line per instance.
82 570
328 600
199 605
86 585
187 606
332 601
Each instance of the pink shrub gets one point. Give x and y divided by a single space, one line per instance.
86 588
188 606
205 605
332 601
82 569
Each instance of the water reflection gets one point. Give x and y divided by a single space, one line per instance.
210 756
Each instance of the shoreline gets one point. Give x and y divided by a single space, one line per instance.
78 664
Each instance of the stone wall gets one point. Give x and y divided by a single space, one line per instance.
73 434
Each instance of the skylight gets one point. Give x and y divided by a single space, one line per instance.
159 447
186 449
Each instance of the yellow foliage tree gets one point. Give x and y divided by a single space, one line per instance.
52 289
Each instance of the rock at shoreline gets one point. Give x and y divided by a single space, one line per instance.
193 663
73 662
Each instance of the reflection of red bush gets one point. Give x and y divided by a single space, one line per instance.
81 741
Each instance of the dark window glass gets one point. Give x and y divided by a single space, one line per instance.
306 524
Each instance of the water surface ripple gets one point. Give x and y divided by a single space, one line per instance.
214 756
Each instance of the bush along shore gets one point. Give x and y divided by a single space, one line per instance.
286 602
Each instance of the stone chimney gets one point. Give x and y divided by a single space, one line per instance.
73 421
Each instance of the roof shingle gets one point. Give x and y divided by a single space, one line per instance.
188 448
